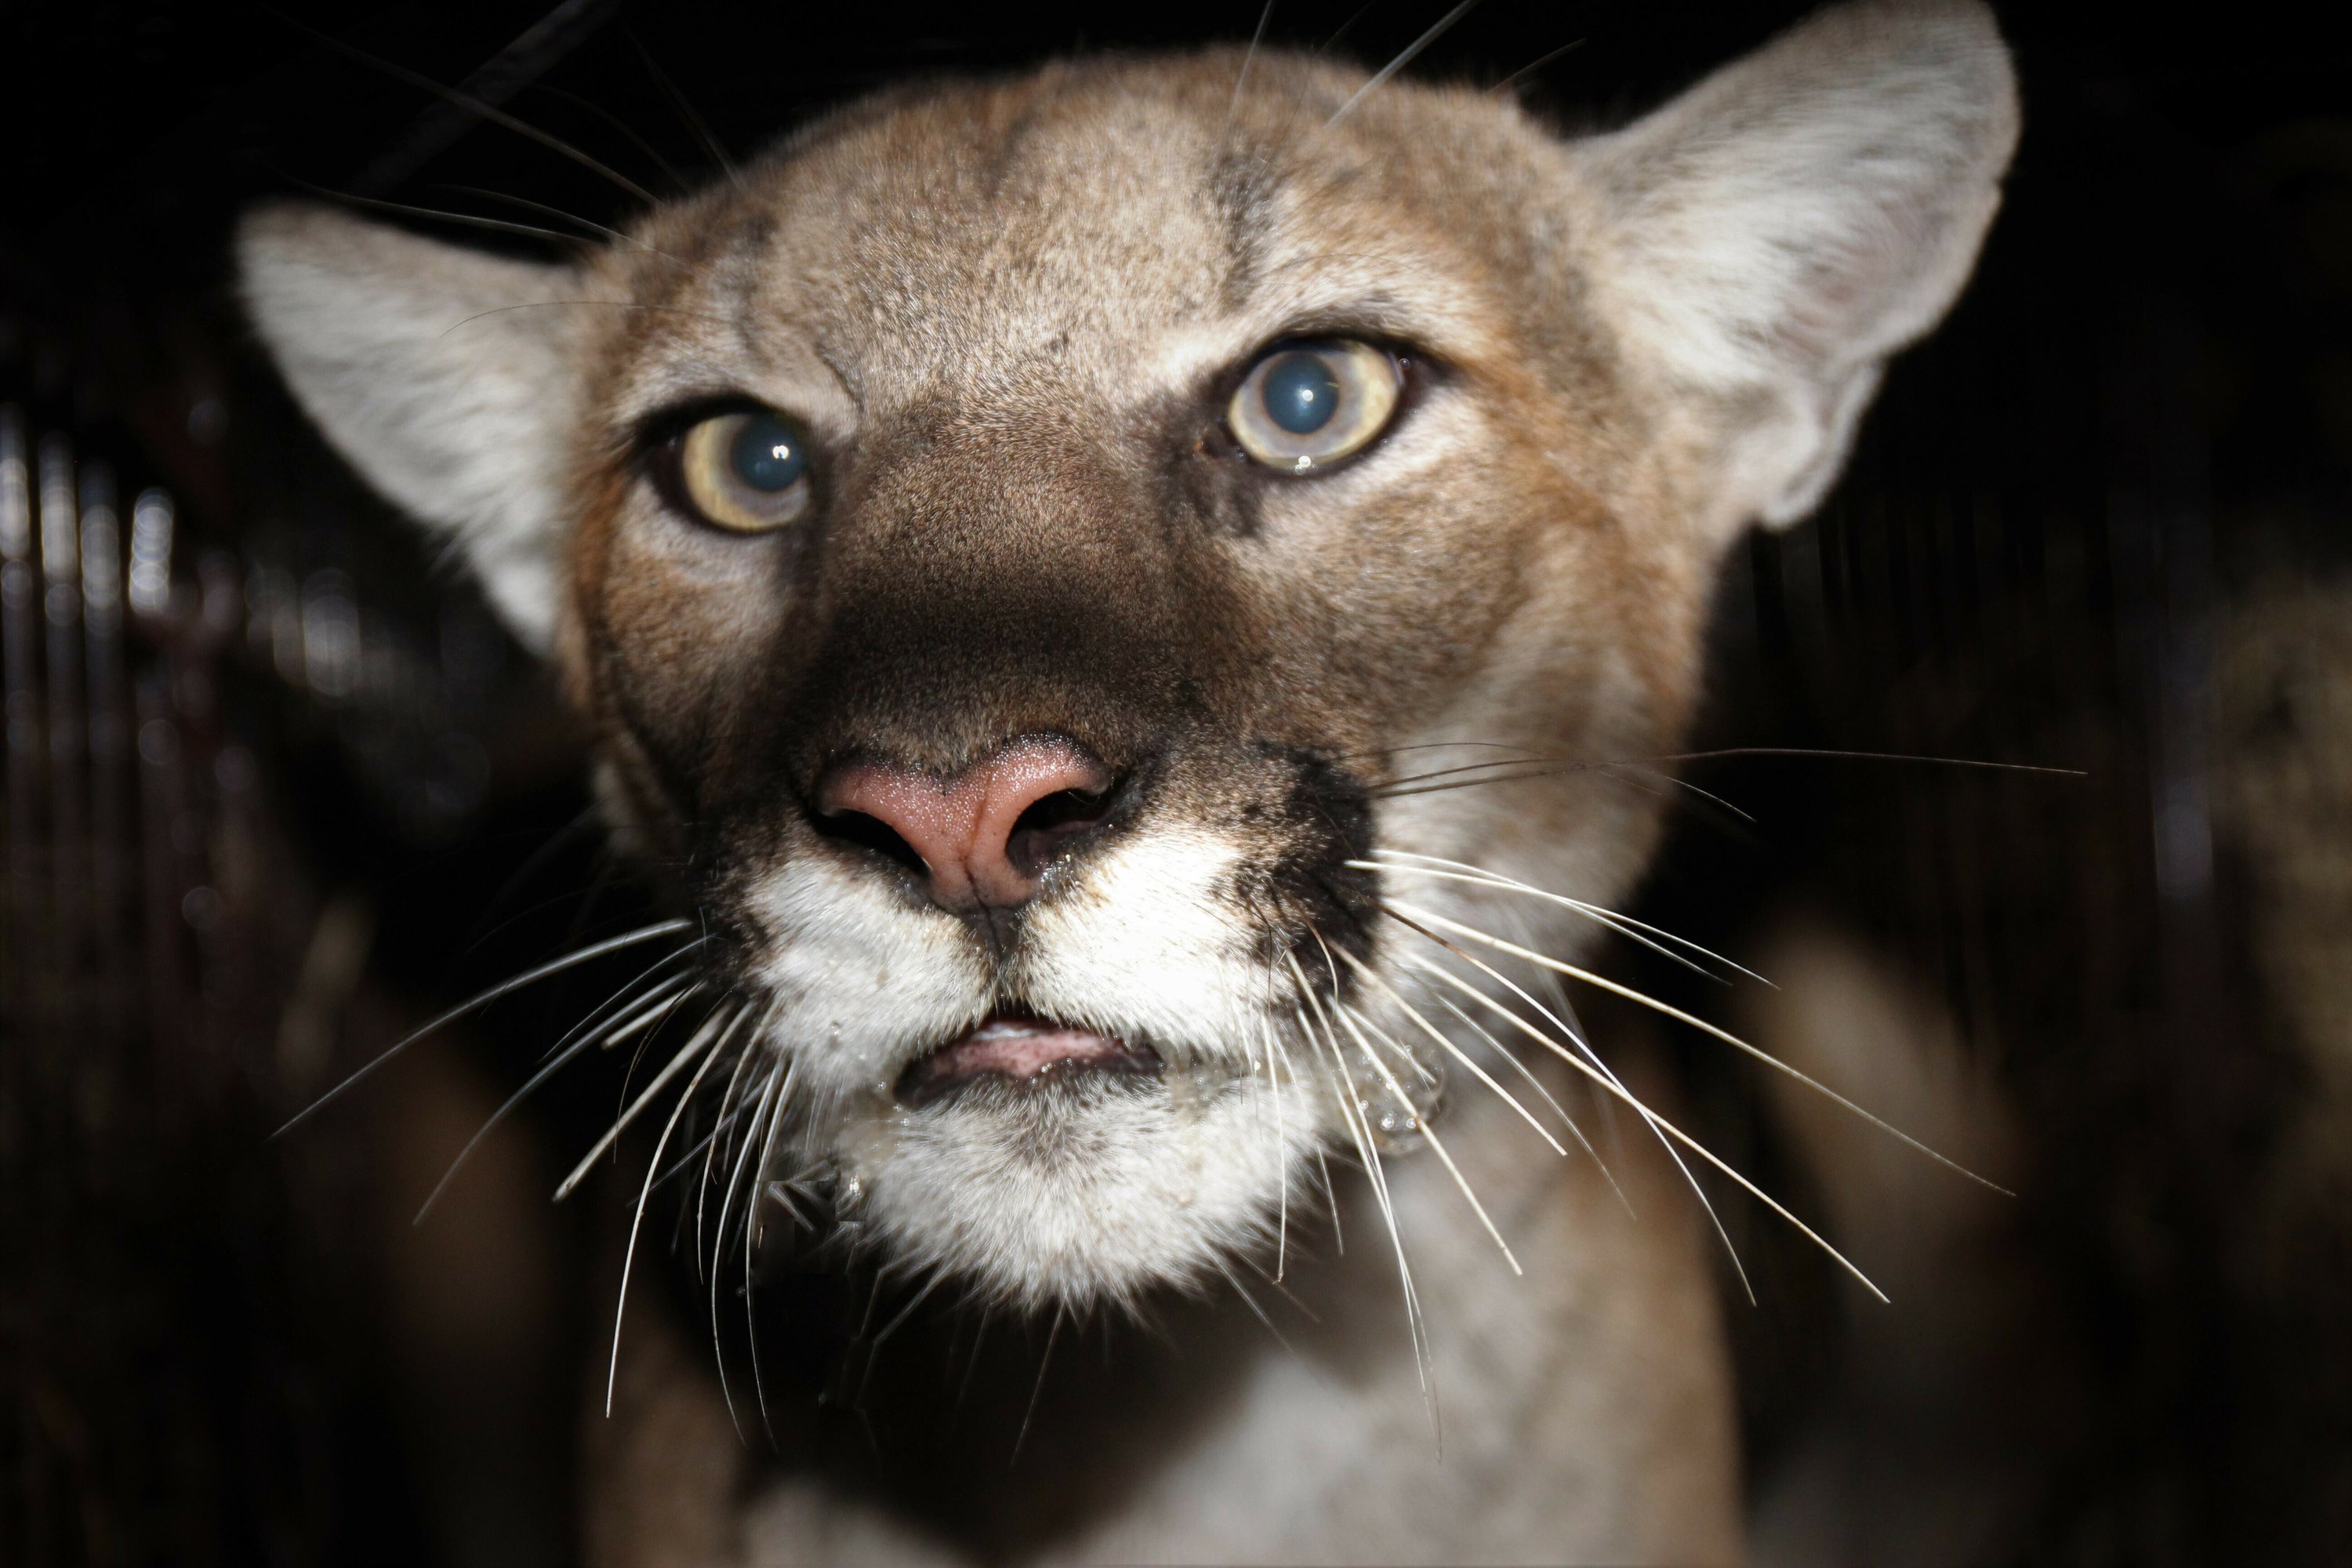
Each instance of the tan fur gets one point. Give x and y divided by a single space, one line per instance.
1008 315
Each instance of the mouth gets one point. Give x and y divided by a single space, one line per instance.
1025 1052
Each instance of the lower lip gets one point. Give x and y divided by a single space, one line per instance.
1021 1051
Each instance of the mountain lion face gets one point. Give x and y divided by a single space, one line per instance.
1092 587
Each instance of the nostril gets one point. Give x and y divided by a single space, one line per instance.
869 832
1048 826
984 834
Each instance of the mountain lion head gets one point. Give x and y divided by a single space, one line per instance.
1102 592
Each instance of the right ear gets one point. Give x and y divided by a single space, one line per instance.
415 360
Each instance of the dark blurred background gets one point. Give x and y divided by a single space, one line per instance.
291 791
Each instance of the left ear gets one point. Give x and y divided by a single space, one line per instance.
1763 243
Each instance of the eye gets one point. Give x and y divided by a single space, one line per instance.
1307 406
748 472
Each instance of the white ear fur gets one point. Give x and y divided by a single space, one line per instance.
1766 240
457 409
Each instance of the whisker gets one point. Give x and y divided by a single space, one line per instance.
466 100
701 1144
1537 1084
717 1247
669 170
767 1104
694 123
696 1045
629 1256
1416 1326
662 1001
1529 69
1629 994
1350 1020
1251 1303
482 1000
622 236
1283 1290
1247 56
1607 1082
1281 1153
1682 785
1456 1051
1404 58
1534 768
1625 925
500 1114
729 1114
438 214
555 842
905 1312
1592 1057
1043 1363
781 1099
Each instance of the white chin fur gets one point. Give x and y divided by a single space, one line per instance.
1083 1192
1080 1193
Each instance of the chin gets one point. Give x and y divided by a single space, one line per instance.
1044 1165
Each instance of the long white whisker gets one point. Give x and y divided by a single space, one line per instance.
1350 1018
769 1098
627 995
1660 1123
1625 925
482 1000
629 1256
728 1119
1627 992
751 1230
695 1046
500 1114
1592 1059
1281 1153
1456 1052
658 1004
1537 1084
1360 1133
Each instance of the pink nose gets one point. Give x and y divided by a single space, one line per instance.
987 834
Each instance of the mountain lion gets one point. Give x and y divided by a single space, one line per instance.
1138 612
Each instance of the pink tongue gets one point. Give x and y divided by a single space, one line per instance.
1021 1049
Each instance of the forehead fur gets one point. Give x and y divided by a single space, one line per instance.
1117 215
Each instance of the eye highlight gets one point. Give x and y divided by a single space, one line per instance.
1306 406
747 472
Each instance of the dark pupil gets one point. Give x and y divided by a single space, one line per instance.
1301 394
768 456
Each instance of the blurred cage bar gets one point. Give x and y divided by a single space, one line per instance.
145 899
132 823
175 982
